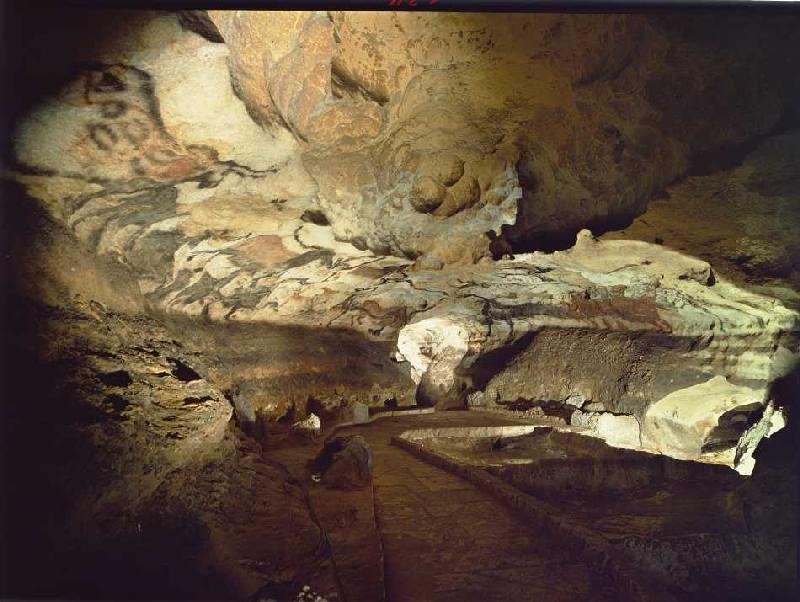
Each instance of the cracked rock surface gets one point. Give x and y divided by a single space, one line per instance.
419 125
218 222
141 483
225 226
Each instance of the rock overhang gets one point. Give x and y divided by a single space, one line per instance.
213 226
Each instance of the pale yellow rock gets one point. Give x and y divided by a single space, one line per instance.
683 423
381 100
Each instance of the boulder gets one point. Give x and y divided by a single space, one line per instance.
311 426
345 463
616 430
704 417
359 413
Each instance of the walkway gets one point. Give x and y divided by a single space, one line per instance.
445 540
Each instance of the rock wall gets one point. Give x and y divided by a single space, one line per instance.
220 224
624 328
199 203
121 468
187 248
743 219
423 131
123 473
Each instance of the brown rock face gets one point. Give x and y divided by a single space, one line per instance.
346 463
121 468
421 124
226 249
743 220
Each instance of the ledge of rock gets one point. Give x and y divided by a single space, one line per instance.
415 126
700 418
620 327
231 234
219 223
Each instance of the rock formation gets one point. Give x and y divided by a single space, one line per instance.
616 326
419 128
345 463
124 471
742 219
221 221
229 228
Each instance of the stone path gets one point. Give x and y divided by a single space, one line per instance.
445 540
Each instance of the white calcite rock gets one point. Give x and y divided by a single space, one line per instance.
616 430
700 418
312 425
435 348
772 420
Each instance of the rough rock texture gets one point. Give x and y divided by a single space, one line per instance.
701 417
423 131
616 326
616 430
199 22
743 219
218 221
310 427
303 240
121 472
230 236
201 204
345 463
140 486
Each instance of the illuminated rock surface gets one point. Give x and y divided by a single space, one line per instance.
220 251
418 126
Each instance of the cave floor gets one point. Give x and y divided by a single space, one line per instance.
434 536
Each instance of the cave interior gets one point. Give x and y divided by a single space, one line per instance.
400 306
